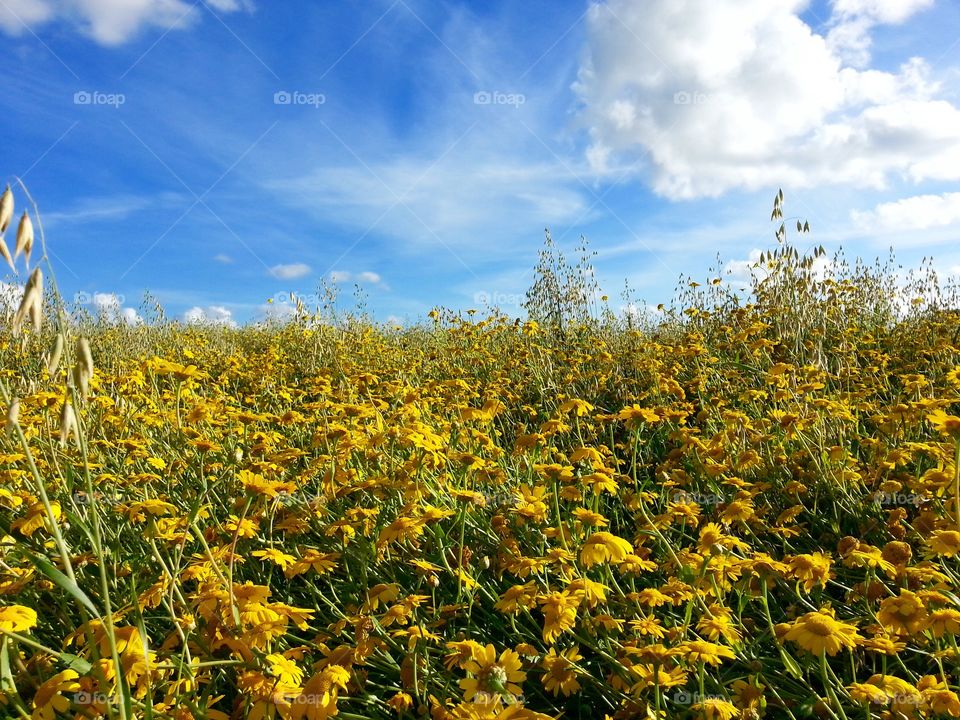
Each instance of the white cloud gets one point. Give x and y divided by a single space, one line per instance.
741 273
108 22
17 15
368 277
425 202
131 316
281 312
912 213
290 272
212 315
10 297
853 20
223 258
109 307
780 105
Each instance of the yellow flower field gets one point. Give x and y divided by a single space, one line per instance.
744 509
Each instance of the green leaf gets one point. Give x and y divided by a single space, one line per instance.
63 582
793 667
7 685
75 662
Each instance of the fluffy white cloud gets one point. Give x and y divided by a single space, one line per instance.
109 22
912 213
663 81
109 307
290 272
342 276
853 19
10 297
369 277
212 315
741 273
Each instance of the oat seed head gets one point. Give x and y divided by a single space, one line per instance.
24 238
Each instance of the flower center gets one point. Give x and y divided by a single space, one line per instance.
823 628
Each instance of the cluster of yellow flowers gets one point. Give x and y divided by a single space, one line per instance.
485 519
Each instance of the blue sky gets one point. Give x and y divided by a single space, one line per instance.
222 152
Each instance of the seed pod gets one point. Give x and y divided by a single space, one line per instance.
32 303
55 355
85 356
81 380
68 425
13 416
5 253
6 209
24 238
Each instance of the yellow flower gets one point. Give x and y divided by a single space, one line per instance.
635 416
945 542
717 625
49 700
593 593
17 618
715 709
901 696
945 621
321 563
318 698
492 677
903 615
701 651
603 547
460 653
946 424
400 702
560 673
36 518
285 669
275 556
517 597
577 407
819 632
811 570
559 613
